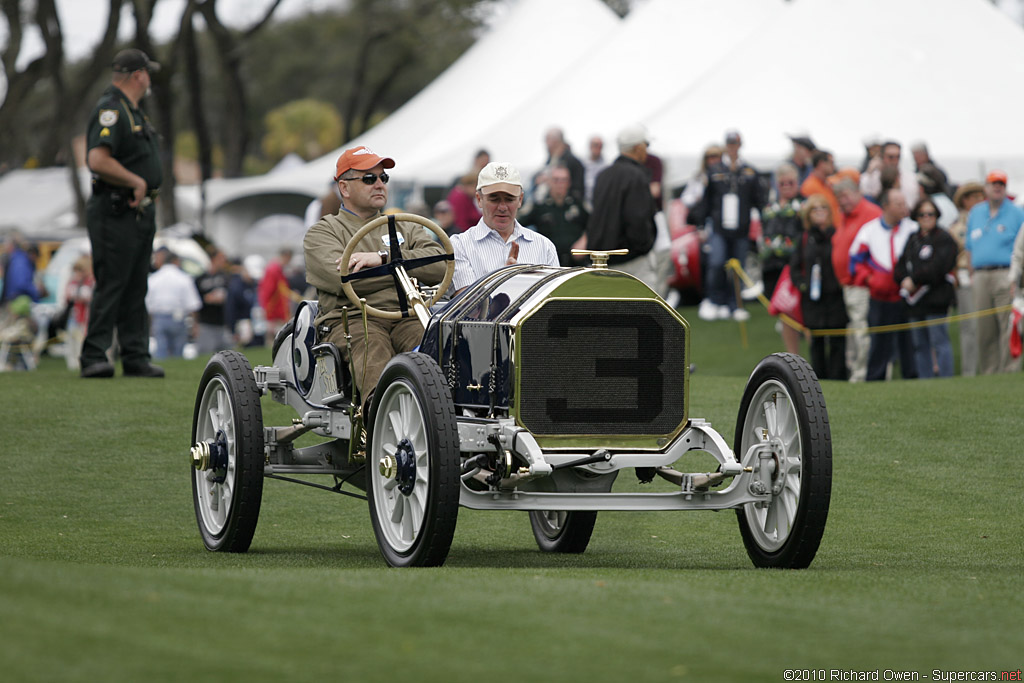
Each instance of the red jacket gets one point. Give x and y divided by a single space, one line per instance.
273 293
862 213
464 211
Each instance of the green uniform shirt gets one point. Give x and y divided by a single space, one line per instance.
126 130
563 224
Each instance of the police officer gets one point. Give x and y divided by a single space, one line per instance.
124 158
559 217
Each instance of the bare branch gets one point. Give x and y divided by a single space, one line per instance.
266 18
9 56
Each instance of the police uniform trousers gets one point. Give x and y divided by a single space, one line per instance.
385 339
122 247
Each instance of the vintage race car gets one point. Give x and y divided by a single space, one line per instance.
532 389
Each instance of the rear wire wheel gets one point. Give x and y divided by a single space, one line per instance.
557 531
783 404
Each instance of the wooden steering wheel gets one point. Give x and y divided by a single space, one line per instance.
399 265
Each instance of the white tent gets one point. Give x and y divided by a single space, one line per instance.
941 71
932 70
432 136
661 49
40 202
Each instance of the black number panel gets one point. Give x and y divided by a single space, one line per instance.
602 367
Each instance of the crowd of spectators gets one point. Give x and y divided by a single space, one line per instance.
879 246
188 315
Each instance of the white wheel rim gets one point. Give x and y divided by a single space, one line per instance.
772 412
400 516
215 415
552 522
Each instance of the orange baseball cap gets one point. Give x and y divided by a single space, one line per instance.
996 177
844 173
360 158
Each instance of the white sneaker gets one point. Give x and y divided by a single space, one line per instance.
741 315
707 310
723 313
752 292
673 298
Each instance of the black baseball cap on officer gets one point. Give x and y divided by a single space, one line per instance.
127 61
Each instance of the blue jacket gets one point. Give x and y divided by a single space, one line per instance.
18 277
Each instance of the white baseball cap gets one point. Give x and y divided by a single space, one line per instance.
633 135
499 176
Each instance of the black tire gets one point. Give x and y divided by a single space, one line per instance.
783 397
562 532
227 499
412 418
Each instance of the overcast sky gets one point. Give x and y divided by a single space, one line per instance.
83 21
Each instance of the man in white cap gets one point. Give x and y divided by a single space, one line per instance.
623 215
498 240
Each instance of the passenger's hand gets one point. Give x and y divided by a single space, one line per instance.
513 254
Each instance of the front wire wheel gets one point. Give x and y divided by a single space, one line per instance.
413 463
228 422
783 405
557 531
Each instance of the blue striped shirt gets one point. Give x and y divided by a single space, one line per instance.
480 250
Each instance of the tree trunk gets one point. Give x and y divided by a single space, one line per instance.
19 83
161 110
49 27
97 68
236 129
194 85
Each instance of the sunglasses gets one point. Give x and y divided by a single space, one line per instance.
371 178
927 214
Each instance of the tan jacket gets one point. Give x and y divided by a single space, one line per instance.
325 242
958 231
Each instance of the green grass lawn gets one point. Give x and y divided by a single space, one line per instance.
103 575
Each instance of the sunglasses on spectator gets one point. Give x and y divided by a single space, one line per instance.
371 178
927 214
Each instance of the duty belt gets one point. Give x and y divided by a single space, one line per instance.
100 186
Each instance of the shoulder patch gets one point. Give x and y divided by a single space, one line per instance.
108 117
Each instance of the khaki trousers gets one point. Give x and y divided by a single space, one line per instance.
857 343
385 338
991 290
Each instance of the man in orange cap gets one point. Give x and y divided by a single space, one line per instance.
822 168
362 183
992 227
